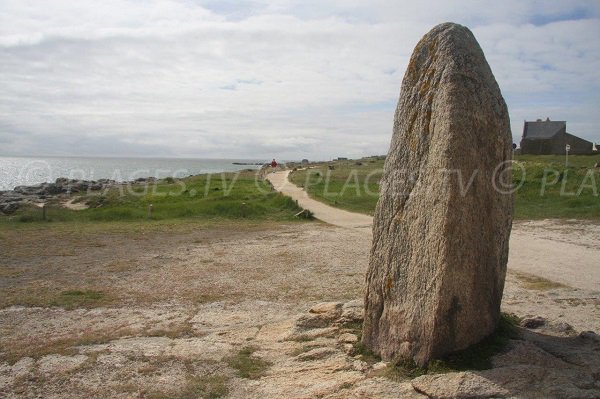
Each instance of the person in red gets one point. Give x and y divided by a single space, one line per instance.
273 163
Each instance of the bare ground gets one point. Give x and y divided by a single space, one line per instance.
152 314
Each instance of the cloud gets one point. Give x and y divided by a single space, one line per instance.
257 79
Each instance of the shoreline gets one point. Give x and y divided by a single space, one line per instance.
29 171
63 189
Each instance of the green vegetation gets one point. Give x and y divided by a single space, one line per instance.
76 298
227 196
359 348
479 356
545 188
475 357
533 282
204 387
551 190
351 185
68 299
247 365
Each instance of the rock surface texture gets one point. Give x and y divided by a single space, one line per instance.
443 220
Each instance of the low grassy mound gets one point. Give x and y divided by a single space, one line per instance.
220 196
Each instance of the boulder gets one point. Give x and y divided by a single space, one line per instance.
462 385
533 322
442 223
9 208
321 315
348 338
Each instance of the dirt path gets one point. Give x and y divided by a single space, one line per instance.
564 252
326 213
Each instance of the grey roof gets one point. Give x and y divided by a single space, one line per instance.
543 129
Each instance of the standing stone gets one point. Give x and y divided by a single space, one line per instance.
441 228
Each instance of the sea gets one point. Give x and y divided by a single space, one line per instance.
28 171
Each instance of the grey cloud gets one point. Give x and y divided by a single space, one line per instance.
177 79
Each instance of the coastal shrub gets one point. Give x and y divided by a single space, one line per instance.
28 218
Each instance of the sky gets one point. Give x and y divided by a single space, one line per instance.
260 79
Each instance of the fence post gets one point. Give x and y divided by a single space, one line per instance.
150 211
44 211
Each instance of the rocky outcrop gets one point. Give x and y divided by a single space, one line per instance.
544 363
61 189
458 385
442 224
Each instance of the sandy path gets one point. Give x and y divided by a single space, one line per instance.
326 213
565 252
568 253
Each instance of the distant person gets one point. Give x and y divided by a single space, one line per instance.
273 163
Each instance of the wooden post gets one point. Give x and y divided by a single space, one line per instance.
243 209
150 211
44 211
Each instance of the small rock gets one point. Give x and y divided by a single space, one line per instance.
379 366
360 365
352 312
23 367
457 385
590 335
326 307
316 354
321 315
349 349
533 322
311 320
302 334
56 364
9 208
563 327
348 338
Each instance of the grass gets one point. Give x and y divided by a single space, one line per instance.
39 295
204 387
66 346
475 357
365 353
551 190
247 365
545 187
533 282
229 196
77 298
351 185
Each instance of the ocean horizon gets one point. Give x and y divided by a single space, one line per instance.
31 170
